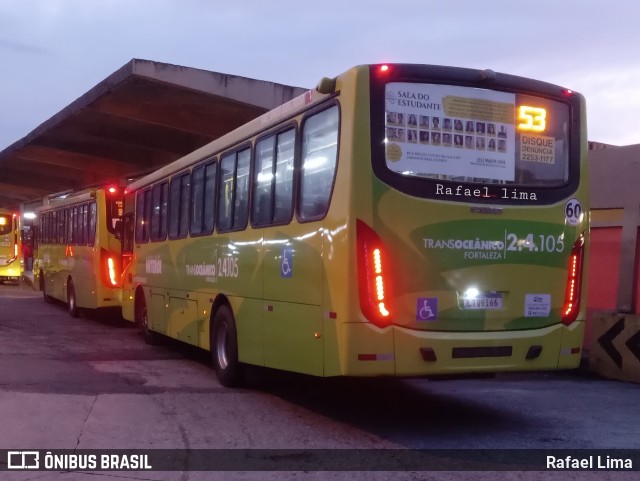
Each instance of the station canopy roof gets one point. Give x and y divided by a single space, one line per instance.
142 117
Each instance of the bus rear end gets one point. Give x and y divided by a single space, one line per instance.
471 236
107 260
10 266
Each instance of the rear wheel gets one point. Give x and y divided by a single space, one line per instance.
142 319
41 283
224 348
72 304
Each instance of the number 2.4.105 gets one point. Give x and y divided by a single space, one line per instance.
545 243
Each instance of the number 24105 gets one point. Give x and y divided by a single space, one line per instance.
547 243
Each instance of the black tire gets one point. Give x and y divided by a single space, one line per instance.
142 319
42 284
72 301
224 348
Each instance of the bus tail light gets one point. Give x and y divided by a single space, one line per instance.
573 290
110 266
374 276
16 244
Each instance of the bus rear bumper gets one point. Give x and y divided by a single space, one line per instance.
399 351
11 273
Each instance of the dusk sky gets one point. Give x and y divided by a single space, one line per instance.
53 51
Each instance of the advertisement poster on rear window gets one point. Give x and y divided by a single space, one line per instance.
447 130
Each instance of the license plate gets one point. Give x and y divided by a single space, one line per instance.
490 301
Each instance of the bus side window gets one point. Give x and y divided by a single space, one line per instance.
140 217
93 214
225 192
147 215
233 191
164 208
197 200
155 221
83 210
62 225
319 159
69 220
185 205
127 233
241 199
262 183
174 208
179 206
210 178
273 182
285 151
74 227
54 227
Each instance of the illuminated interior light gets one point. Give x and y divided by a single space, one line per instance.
314 163
262 177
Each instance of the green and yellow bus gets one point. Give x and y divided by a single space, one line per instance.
398 220
77 255
10 263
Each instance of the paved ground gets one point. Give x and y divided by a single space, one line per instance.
91 383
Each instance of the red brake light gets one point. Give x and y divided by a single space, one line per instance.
374 276
384 68
112 190
110 268
574 283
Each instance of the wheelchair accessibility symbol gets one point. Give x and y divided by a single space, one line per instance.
427 309
286 265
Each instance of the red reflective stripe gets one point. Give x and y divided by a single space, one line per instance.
367 357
